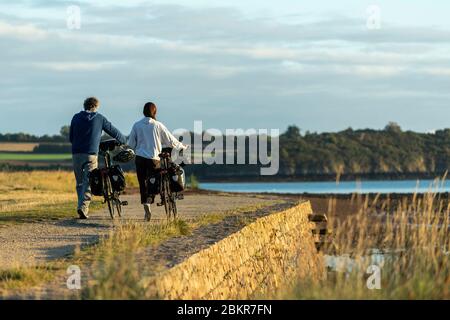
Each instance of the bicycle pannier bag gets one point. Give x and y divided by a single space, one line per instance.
177 180
117 177
96 182
153 185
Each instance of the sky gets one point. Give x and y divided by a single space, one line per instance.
321 65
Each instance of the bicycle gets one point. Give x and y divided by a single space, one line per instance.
110 195
168 197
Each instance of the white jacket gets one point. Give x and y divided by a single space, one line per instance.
148 137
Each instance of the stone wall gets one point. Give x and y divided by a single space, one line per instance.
264 256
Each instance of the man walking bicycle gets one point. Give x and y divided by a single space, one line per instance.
85 135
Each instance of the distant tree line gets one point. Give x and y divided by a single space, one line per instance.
388 152
52 148
62 137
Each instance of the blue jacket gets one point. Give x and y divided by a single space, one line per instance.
86 132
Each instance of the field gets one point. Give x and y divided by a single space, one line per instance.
38 195
406 238
33 157
34 195
17 147
22 154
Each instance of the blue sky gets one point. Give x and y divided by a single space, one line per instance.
232 64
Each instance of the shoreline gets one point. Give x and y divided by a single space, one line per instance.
66 165
325 177
318 195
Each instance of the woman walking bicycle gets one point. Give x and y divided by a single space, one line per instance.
147 138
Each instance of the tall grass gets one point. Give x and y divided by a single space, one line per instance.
411 238
193 182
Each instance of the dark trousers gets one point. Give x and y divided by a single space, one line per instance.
144 169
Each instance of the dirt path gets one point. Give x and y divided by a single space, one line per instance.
34 243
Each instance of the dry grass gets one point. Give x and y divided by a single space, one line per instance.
409 242
32 196
17 147
24 277
27 196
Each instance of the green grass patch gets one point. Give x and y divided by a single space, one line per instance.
46 212
33 157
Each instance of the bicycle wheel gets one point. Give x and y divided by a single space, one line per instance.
109 197
174 207
118 205
165 198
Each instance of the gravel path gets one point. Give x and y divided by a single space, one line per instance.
33 243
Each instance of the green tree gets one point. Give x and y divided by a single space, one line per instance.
65 132
293 132
393 127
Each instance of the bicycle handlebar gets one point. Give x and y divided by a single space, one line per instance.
109 145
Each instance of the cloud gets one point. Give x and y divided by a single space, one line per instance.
26 32
78 65
220 66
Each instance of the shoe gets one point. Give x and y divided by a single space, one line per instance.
148 212
83 216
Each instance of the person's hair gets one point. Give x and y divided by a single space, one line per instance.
91 104
149 110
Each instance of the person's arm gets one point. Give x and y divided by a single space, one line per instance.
132 139
113 131
169 140
71 132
